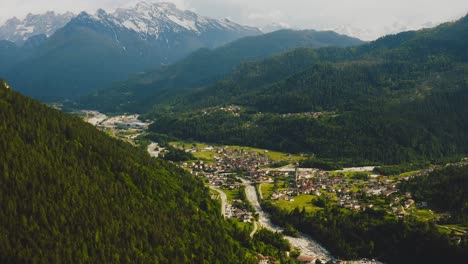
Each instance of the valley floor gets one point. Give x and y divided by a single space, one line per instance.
240 175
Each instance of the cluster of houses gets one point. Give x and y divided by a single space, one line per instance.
316 182
232 109
228 163
236 210
287 195
308 114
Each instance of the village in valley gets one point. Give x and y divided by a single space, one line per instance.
288 186
279 178
277 175
289 182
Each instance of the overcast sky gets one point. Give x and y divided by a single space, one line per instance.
371 17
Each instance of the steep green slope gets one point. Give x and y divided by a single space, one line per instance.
397 99
71 194
205 67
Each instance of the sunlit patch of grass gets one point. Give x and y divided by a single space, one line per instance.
231 194
300 201
266 190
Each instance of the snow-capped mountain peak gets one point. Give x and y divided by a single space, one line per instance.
18 31
152 19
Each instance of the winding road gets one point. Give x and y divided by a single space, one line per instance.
306 244
223 200
255 229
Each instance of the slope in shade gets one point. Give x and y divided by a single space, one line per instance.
205 67
71 194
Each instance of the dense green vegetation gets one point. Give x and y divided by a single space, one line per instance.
444 190
399 99
373 234
177 155
205 67
72 194
270 243
320 164
399 169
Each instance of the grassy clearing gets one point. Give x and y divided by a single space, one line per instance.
244 226
231 194
266 189
409 173
215 193
205 155
424 214
444 230
273 155
350 174
300 201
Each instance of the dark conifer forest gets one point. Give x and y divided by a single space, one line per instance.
72 194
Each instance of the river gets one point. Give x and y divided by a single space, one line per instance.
305 243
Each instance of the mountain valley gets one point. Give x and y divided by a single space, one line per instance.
154 133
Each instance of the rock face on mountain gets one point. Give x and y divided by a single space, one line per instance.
92 51
165 25
18 31
160 21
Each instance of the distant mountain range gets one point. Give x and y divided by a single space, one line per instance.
91 51
204 67
18 31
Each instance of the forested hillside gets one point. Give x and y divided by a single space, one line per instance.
444 190
71 194
398 99
205 67
377 233
374 234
